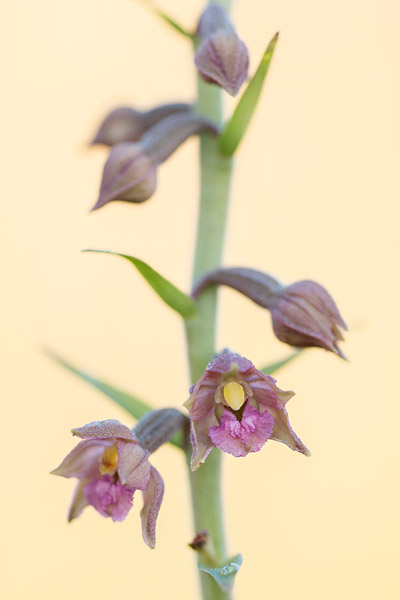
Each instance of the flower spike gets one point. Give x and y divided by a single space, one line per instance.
237 408
303 314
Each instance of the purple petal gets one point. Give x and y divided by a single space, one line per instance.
304 314
266 392
129 174
319 297
241 437
103 430
223 364
223 58
133 466
152 498
79 501
109 497
83 461
283 432
201 442
202 400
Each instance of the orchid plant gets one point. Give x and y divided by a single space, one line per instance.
232 407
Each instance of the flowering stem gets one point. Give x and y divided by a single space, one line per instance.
200 330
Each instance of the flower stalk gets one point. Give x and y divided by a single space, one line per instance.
233 407
215 175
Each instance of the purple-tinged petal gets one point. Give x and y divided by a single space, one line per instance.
304 314
129 174
133 466
223 364
79 501
318 297
103 430
123 124
241 437
202 401
223 58
109 497
283 432
292 328
201 441
152 498
83 461
213 18
266 392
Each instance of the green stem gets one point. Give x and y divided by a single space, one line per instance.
200 331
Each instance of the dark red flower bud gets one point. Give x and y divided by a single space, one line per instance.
221 57
303 314
130 173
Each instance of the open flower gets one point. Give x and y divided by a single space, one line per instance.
237 408
111 465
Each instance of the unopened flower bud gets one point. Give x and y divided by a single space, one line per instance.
221 57
130 173
303 314
125 124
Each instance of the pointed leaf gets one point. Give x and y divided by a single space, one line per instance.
237 126
180 302
174 24
276 366
224 575
135 407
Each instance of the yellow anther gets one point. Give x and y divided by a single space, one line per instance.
234 395
109 460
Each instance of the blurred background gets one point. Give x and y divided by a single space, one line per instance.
315 195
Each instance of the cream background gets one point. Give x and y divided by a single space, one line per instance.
316 194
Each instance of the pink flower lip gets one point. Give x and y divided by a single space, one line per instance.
239 437
109 497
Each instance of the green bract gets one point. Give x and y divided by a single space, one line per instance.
166 290
224 575
237 126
